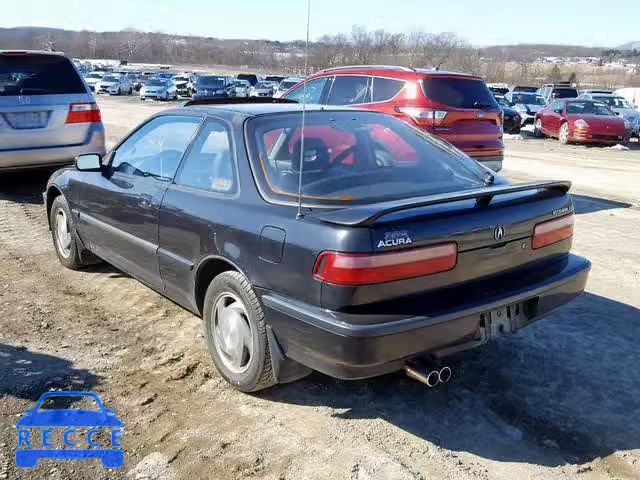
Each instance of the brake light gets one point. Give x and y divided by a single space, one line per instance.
425 117
553 231
365 269
83 113
14 52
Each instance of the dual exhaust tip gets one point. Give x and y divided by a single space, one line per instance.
429 377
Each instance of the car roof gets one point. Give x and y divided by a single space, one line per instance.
391 71
31 52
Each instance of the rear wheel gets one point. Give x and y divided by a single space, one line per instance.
236 333
64 236
537 128
563 136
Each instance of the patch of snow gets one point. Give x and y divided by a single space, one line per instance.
622 148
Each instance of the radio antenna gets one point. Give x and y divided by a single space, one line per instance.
304 111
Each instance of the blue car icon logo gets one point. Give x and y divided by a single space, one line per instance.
31 448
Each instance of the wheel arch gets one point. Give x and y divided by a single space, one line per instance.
53 192
209 268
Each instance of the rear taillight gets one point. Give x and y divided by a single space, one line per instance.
425 117
83 113
553 231
365 269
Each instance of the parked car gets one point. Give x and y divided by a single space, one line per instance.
526 104
524 88
597 90
618 104
511 119
498 88
48 115
263 89
164 75
92 78
249 77
159 88
286 84
386 262
632 94
583 121
552 92
191 84
274 78
182 85
114 85
138 82
214 86
456 107
242 88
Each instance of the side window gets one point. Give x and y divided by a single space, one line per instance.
314 91
557 106
156 148
385 89
209 165
350 90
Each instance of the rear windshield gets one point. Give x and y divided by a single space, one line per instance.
564 93
528 99
459 92
38 75
353 158
211 81
614 102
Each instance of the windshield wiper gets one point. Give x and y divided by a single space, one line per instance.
156 176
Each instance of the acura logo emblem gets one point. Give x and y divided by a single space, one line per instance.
498 233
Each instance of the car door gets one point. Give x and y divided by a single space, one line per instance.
196 208
552 118
118 210
350 90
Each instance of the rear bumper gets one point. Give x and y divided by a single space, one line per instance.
359 346
46 156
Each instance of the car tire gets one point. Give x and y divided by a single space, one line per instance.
63 234
563 133
236 333
537 129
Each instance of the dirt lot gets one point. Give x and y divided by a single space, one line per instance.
558 400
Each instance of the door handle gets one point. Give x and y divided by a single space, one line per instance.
145 201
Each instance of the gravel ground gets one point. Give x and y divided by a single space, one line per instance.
559 400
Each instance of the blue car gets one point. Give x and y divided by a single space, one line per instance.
67 419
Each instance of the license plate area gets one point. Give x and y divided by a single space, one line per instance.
502 321
27 120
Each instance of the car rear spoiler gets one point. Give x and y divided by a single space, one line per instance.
367 215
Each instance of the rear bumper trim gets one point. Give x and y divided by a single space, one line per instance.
342 323
353 346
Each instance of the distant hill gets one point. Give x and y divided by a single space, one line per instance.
528 52
629 46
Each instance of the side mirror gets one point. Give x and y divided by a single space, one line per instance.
90 162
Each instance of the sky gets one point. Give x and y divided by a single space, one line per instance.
573 22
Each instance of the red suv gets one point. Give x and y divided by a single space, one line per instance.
456 107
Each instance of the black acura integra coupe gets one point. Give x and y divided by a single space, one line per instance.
404 250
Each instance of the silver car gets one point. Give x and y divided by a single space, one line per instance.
114 84
526 104
159 88
48 115
618 104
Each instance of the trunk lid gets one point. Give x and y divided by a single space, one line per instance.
491 227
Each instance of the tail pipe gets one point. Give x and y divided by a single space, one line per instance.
430 377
